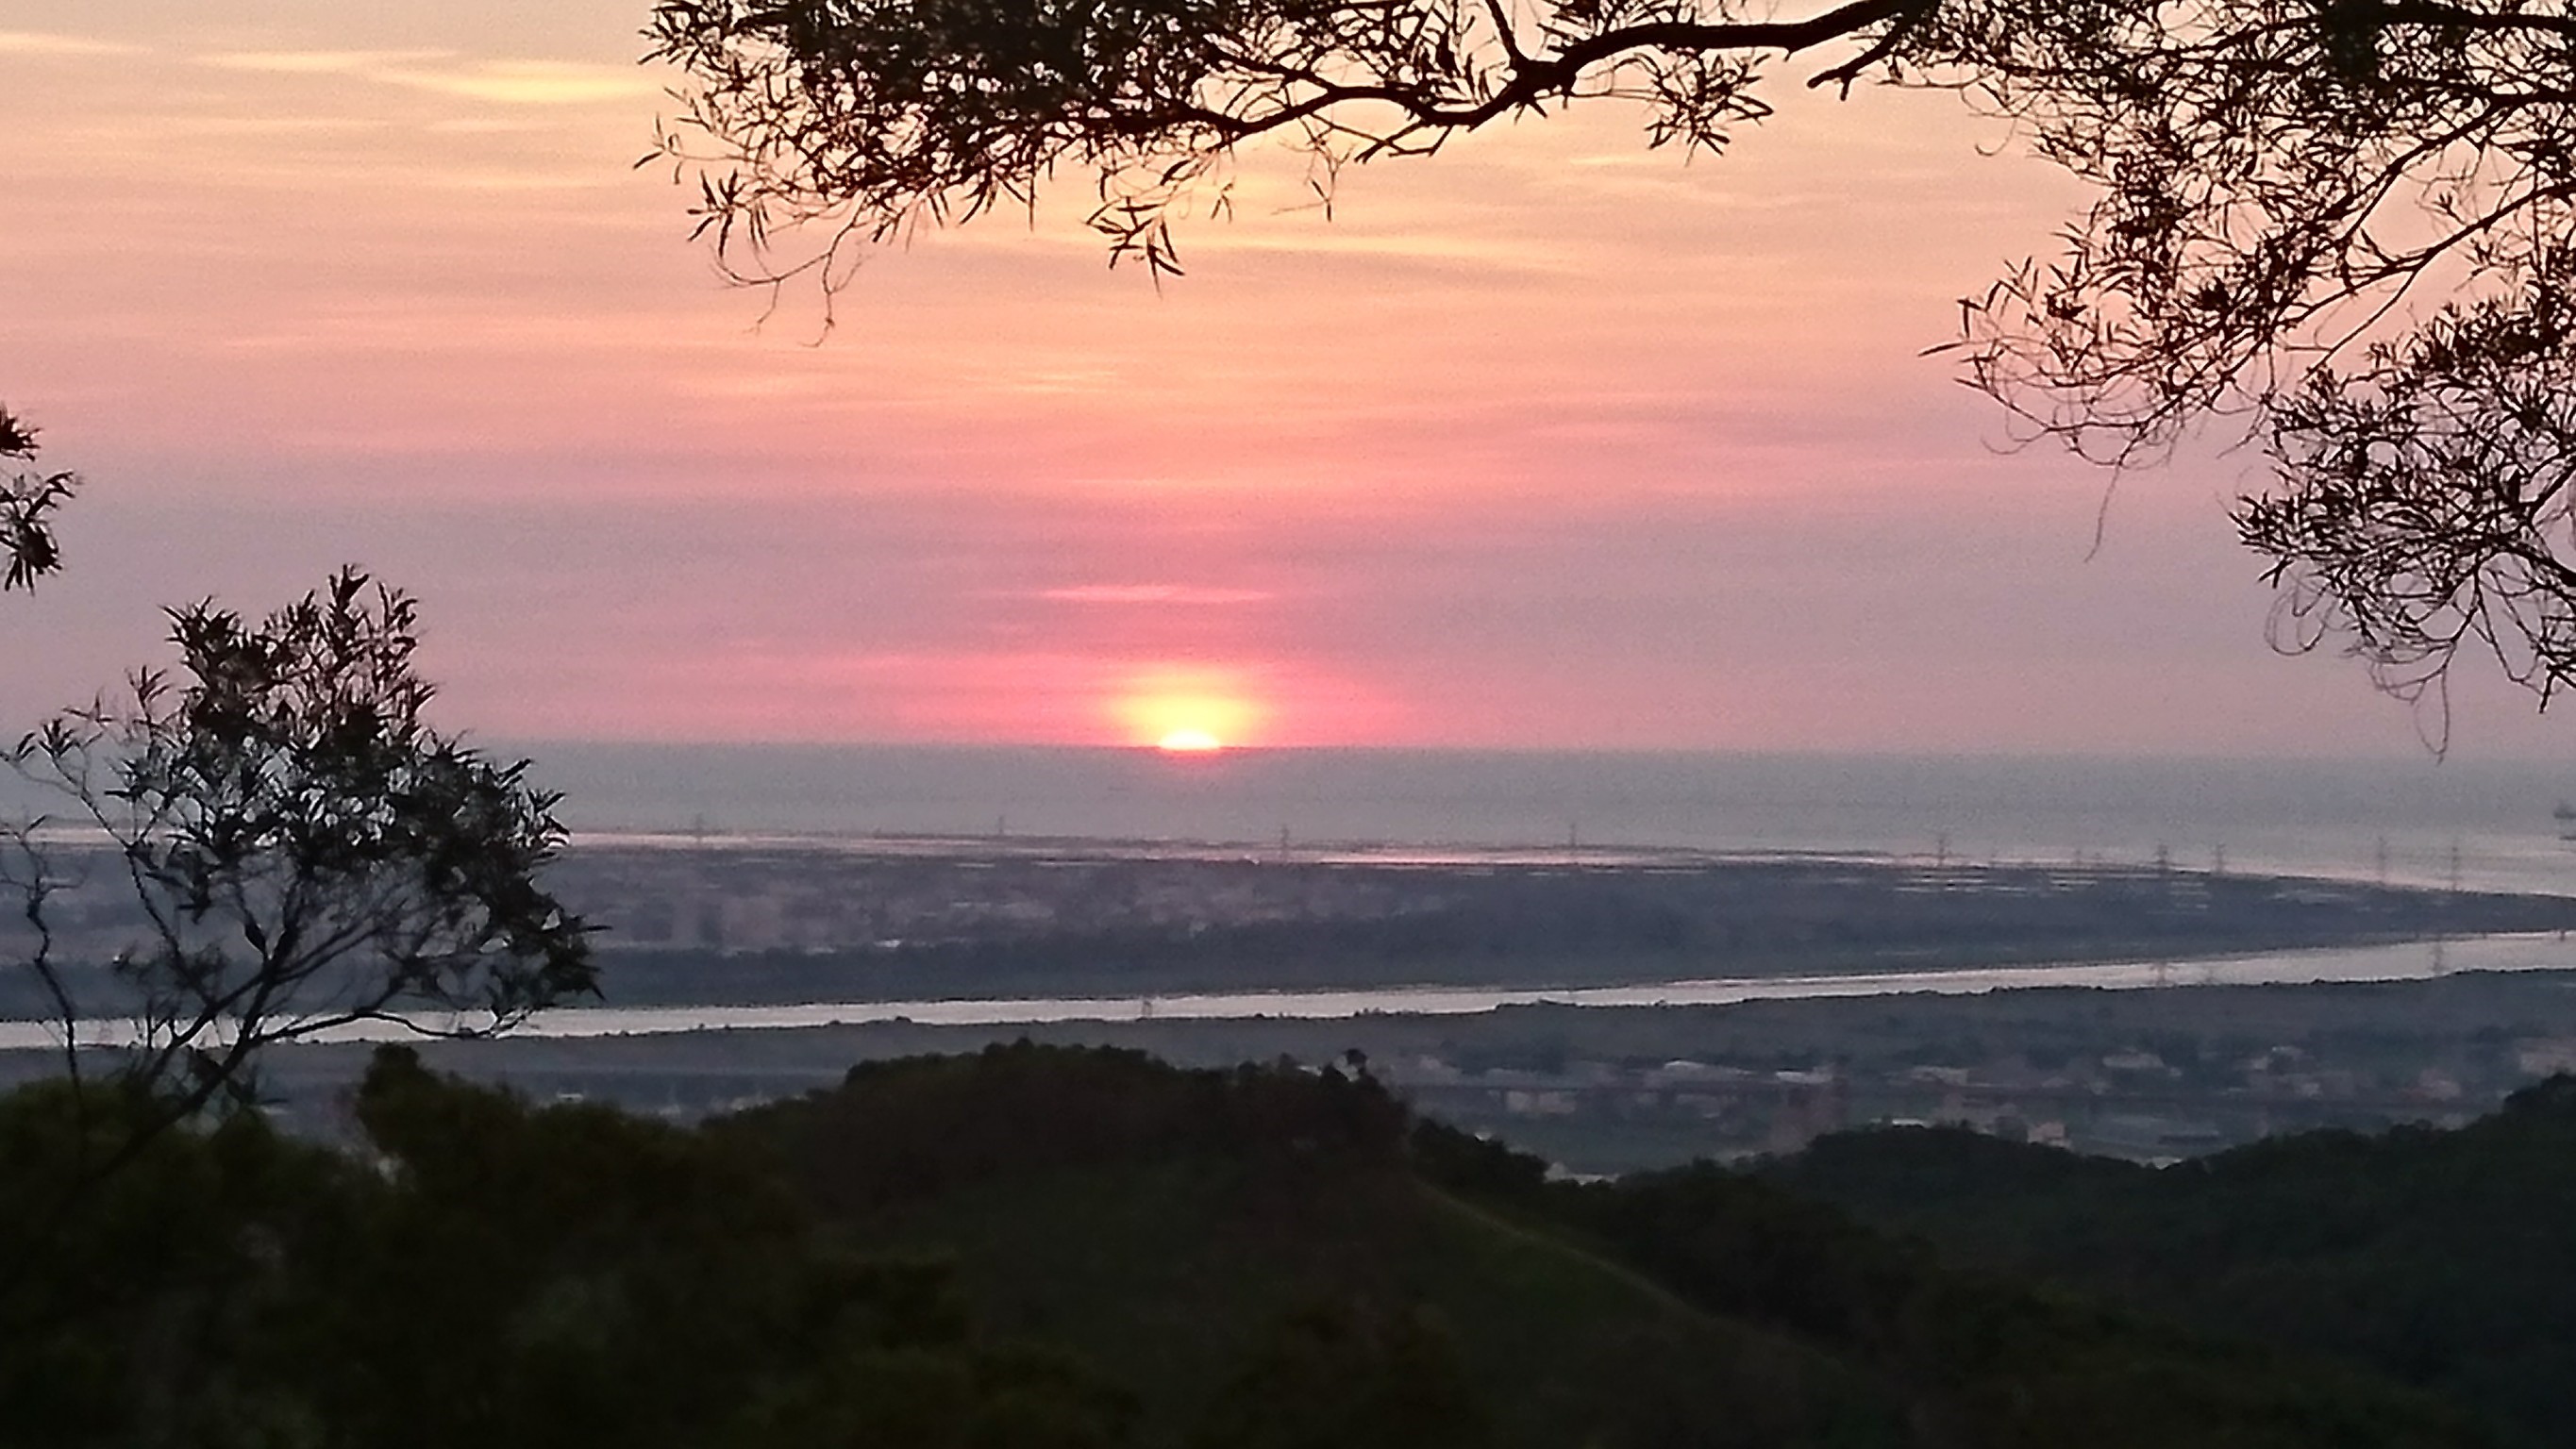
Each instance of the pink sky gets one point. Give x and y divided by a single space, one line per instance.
1552 441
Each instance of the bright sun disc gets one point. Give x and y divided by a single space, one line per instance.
1189 742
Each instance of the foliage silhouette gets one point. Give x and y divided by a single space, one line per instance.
485 1273
2440 1258
300 850
1302 1219
480 1270
1348 1374
28 498
2346 226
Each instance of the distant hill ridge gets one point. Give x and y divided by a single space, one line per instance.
1043 1248
1164 1218
2446 1259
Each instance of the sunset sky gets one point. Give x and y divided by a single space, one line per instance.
1552 441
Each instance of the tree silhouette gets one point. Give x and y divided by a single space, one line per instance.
301 850
485 1272
2347 227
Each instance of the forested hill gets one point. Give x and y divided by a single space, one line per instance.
1175 1221
2443 1258
1043 1247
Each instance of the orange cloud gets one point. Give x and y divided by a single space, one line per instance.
41 43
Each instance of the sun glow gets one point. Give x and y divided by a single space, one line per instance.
1187 710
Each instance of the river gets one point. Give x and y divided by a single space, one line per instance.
2413 961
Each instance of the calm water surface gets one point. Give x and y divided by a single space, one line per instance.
2411 820
2414 961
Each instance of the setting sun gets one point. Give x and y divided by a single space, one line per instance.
1188 709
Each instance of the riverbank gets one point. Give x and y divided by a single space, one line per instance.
2147 1073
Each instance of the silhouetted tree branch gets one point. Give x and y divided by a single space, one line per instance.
2303 207
28 498
2423 499
866 119
299 848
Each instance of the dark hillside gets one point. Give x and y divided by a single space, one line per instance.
1168 1220
489 1274
1984 1360
2444 1259
1032 1248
